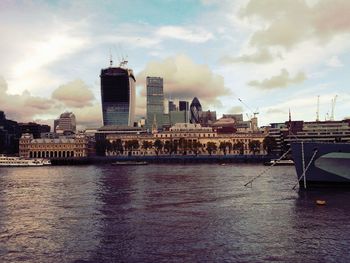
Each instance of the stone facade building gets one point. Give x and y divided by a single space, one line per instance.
190 139
62 147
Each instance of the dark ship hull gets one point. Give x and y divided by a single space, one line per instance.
329 163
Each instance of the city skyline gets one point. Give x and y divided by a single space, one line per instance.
273 56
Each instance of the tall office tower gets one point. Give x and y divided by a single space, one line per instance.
172 106
118 95
66 123
195 109
184 106
155 101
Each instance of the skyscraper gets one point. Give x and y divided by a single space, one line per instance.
118 95
184 106
195 109
155 101
172 106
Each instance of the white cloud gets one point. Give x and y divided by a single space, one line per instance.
279 81
185 79
334 62
194 35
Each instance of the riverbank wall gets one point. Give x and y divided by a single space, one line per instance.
163 159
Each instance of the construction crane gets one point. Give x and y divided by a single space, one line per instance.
333 106
254 112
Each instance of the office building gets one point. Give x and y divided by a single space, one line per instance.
118 95
184 106
171 106
34 128
66 123
195 109
9 135
155 102
207 118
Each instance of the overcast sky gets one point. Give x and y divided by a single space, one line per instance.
274 55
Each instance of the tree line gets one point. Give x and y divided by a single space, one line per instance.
182 146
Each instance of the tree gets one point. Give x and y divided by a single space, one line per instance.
146 145
101 146
211 147
168 146
269 144
174 146
183 145
223 147
239 146
196 145
158 146
229 146
117 146
131 145
254 146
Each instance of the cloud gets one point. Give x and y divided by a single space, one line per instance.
279 81
193 35
260 57
184 79
288 23
74 94
236 110
276 110
24 106
334 62
90 116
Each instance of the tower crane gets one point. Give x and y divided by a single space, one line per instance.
254 112
318 109
333 106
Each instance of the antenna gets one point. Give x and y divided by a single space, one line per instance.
318 109
110 58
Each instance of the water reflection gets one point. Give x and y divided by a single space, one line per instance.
162 213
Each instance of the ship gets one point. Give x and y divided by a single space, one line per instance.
9 161
277 162
322 163
130 163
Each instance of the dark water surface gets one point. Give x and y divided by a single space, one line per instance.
168 213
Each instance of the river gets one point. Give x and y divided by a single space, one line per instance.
168 213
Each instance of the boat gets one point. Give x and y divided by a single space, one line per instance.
9 161
276 162
130 163
324 163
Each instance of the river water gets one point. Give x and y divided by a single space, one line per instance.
168 213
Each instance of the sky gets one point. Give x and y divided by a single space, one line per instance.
236 56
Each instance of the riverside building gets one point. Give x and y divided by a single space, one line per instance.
118 95
182 138
62 147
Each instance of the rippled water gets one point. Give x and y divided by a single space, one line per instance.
168 213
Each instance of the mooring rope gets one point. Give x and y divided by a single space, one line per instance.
305 170
264 171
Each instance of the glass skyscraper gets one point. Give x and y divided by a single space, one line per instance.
195 109
155 101
118 96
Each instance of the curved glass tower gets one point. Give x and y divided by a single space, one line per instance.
195 108
118 96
